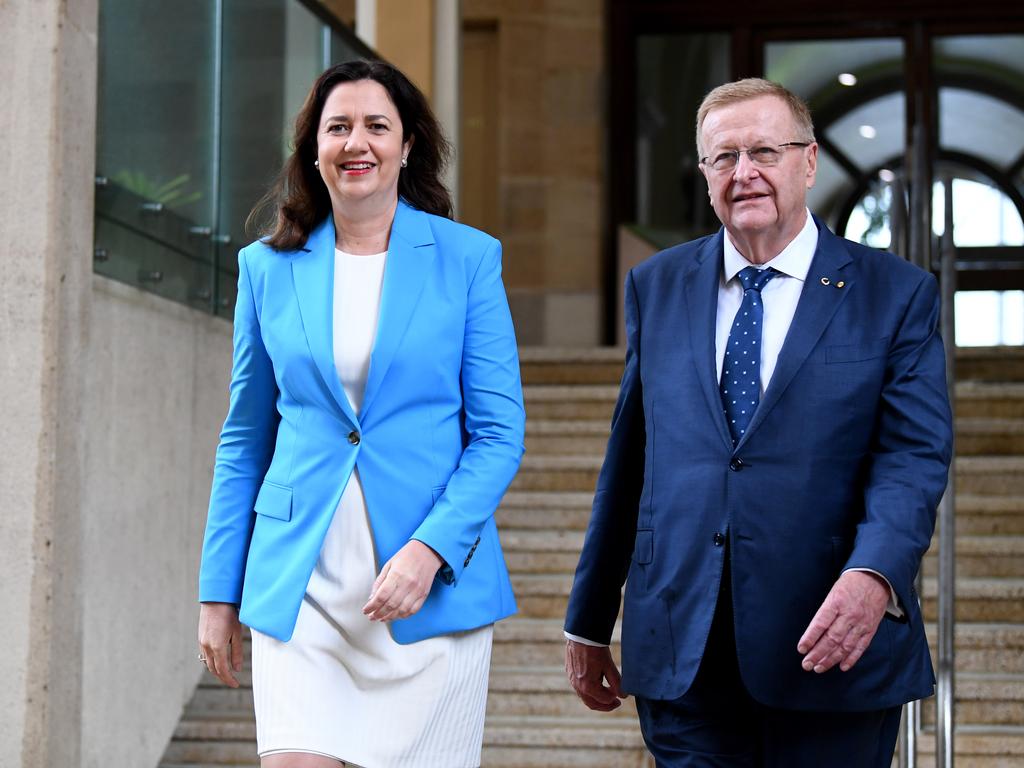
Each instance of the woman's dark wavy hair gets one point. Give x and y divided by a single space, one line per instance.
298 199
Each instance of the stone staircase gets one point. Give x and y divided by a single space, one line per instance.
533 719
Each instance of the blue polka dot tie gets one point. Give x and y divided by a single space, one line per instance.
741 370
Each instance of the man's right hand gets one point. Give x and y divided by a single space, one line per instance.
220 640
588 667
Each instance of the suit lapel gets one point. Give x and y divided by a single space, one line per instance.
702 310
411 253
815 310
313 274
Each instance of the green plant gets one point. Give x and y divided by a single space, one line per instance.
172 194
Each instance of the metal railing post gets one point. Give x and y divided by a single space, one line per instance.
944 699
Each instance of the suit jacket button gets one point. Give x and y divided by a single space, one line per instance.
736 464
719 539
353 437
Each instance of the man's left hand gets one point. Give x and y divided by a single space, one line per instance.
843 627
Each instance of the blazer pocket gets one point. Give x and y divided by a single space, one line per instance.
274 501
643 548
854 353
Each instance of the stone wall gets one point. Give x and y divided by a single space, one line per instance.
156 390
550 162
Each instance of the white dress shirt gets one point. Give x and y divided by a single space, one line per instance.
779 297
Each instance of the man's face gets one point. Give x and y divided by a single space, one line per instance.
754 200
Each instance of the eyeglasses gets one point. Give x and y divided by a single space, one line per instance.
762 156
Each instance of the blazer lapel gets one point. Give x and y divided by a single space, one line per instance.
818 304
411 253
313 275
702 310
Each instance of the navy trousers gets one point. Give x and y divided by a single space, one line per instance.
716 724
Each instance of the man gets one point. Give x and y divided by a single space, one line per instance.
771 477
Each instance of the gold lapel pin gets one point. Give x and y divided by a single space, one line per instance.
824 281
840 284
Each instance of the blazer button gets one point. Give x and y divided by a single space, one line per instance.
353 437
736 464
719 539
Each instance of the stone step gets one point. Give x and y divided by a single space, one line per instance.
219 752
990 399
556 437
552 365
541 551
982 556
587 730
214 698
987 436
545 691
557 473
985 515
984 700
554 401
603 365
979 746
559 510
975 475
990 363
542 595
985 648
990 475
594 741
525 642
981 600
974 400
976 514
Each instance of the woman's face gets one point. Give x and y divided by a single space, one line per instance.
359 144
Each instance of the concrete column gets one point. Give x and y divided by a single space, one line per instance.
447 80
366 21
48 89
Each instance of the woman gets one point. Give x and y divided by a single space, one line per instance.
375 421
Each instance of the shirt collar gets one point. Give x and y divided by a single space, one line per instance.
793 261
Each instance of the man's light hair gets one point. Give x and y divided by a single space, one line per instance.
753 88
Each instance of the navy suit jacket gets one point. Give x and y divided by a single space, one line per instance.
842 467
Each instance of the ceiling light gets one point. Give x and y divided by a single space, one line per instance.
868 131
847 78
887 176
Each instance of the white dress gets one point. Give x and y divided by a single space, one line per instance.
342 687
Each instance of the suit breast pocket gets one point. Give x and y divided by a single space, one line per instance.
274 501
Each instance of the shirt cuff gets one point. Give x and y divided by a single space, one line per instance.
583 640
893 609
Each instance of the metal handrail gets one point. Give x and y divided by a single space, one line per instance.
919 241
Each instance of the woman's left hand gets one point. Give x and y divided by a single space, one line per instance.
404 583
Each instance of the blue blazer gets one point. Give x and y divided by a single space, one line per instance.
842 467
437 442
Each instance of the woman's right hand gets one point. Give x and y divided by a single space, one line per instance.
220 640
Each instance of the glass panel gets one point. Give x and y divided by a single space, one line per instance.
183 157
154 147
869 221
671 192
982 214
989 318
981 145
855 90
994 132
342 49
272 54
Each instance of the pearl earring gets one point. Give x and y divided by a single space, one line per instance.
405 162
316 163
